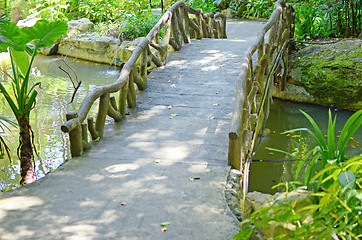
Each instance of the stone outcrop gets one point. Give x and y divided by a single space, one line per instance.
257 200
79 26
328 74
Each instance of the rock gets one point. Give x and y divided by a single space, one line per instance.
79 26
257 200
91 48
53 49
330 73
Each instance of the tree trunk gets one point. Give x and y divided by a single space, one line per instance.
26 152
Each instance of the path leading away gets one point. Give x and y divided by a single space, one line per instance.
166 163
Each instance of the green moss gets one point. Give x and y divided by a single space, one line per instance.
331 73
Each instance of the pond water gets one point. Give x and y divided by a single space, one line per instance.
49 114
270 168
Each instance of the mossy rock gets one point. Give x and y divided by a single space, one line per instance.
331 73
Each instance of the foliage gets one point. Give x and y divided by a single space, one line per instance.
21 97
18 41
127 28
128 19
337 208
256 9
206 5
337 213
327 151
326 19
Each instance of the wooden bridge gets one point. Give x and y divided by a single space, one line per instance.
164 157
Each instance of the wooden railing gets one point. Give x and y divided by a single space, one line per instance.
178 28
255 82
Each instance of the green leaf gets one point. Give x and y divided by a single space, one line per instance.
244 233
12 36
45 33
347 179
330 135
13 107
316 129
21 60
350 127
164 224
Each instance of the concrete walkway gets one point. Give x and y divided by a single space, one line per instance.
154 167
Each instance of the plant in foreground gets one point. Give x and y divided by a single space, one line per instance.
337 209
327 151
21 97
337 213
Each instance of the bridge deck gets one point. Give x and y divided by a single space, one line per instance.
138 175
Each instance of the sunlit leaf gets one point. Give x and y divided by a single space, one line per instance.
164 224
347 178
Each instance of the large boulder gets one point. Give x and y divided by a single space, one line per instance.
330 73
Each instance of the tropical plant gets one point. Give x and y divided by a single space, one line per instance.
21 97
336 213
326 19
206 5
327 150
256 9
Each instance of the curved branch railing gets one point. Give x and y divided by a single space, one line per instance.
253 85
179 28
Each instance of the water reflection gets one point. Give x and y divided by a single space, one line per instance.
49 114
285 116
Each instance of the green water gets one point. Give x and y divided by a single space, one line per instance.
284 116
49 114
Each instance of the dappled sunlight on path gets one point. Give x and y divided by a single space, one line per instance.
166 163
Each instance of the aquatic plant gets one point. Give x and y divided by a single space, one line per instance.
335 214
327 150
22 42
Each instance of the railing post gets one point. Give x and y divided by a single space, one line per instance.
75 137
102 113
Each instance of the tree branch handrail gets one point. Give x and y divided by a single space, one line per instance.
246 120
173 22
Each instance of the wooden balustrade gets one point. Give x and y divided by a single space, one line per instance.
254 83
178 25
